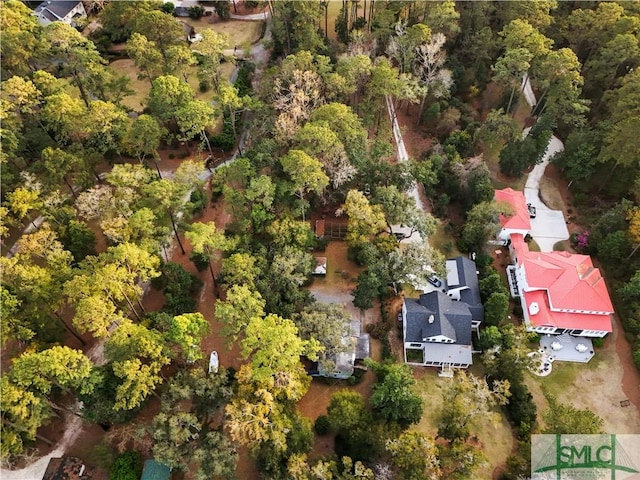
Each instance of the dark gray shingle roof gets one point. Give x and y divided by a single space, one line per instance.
451 318
468 277
59 8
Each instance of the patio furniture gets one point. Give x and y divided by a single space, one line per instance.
581 348
551 359
556 346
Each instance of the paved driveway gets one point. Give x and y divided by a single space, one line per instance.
549 227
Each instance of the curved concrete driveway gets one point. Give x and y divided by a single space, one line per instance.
549 227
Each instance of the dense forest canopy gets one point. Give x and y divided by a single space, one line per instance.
90 210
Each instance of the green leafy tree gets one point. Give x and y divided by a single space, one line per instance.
320 142
77 54
193 118
187 331
274 348
142 139
567 419
168 95
20 37
163 30
288 231
241 305
393 397
415 455
145 56
306 174
365 220
344 122
465 399
23 412
496 308
239 269
509 69
61 367
460 460
174 435
138 354
295 26
128 466
328 324
205 239
210 52
35 276
481 224
414 263
216 457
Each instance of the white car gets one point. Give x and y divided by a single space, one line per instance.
214 364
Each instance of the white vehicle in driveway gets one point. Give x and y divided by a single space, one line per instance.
214 364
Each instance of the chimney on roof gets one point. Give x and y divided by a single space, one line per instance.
431 318
534 308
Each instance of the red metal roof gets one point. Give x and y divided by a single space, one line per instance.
571 279
548 318
564 281
520 218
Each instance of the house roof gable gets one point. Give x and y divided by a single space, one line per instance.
58 8
451 318
520 219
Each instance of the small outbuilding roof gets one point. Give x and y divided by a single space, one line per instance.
155 471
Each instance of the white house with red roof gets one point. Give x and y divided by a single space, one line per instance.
514 221
560 292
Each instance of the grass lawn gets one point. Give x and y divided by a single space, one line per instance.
496 439
550 194
141 87
444 241
240 32
334 10
533 246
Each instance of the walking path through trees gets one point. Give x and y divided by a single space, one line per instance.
403 156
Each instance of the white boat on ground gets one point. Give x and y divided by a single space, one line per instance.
214 363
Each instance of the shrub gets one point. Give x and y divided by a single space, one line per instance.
178 286
127 466
636 357
198 200
322 425
598 342
357 377
169 8
200 260
196 12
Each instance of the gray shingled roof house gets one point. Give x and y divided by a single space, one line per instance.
59 11
437 326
